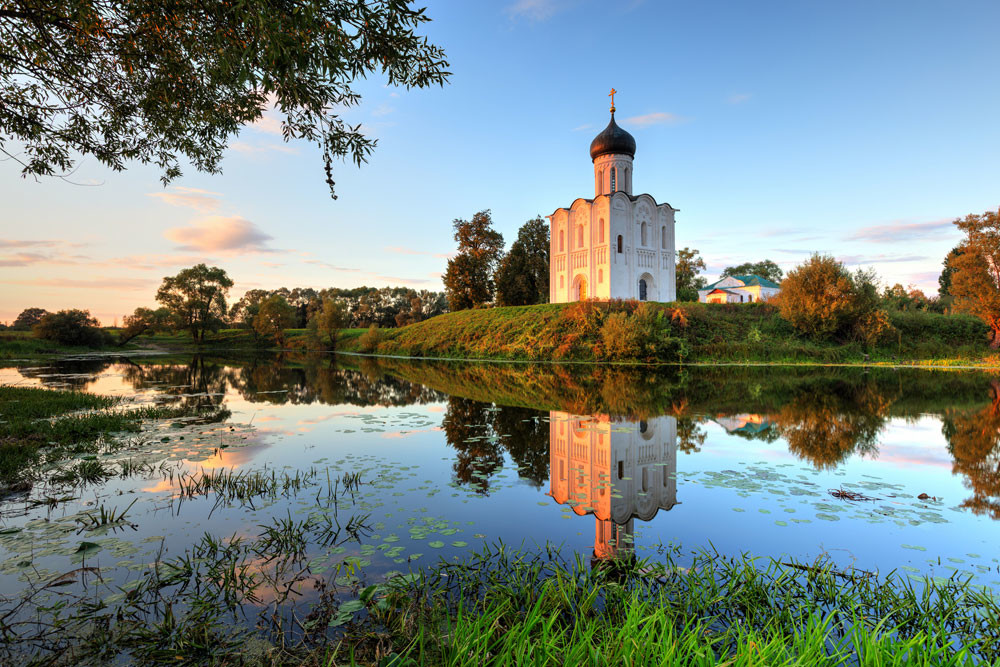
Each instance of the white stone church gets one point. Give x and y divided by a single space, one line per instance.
616 245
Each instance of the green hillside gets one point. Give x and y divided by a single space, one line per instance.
689 332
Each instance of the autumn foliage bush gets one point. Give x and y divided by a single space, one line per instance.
824 301
369 340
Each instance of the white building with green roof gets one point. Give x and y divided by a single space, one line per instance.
739 289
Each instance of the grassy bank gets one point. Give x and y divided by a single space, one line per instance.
21 345
689 332
506 607
594 331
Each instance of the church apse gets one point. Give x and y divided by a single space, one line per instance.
616 470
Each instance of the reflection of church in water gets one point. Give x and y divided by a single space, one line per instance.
618 470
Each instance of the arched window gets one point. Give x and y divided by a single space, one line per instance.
579 236
750 298
614 178
600 232
562 240
562 281
663 237
619 244
642 290
643 234
600 275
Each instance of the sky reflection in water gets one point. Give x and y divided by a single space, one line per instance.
604 461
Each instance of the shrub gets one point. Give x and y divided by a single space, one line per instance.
822 300
369 340
71 327
619 338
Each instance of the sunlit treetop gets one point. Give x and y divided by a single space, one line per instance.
161 81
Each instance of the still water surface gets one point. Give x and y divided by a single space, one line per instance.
877 470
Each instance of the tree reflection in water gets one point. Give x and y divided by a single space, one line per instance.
824 415
973 439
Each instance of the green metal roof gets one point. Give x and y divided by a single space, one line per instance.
747 280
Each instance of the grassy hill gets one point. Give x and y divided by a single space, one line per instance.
689 332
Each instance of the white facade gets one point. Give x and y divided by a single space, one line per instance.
616 245
616 470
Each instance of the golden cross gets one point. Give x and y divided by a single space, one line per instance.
612 95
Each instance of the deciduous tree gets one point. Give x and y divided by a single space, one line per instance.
764 268
142 321
975 281
28 318
689 265
196 299
167 81
327 322
523 276
468 280
823 300
273 317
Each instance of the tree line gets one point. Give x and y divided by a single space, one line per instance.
195 301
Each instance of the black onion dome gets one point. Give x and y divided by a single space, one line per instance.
612 140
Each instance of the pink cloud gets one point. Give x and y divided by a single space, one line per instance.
18 243
903 231
98 283
200 200
22 259
229 235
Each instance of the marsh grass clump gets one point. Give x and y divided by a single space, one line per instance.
45 426
87 471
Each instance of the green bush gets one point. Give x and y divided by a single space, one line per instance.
369 340
72 327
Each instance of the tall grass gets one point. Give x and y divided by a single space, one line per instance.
509 608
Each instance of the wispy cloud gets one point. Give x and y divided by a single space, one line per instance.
257 149
580 128
131 284
21 259
902 231
19 243
534 10
150 262
332 267
196 198
382 110
655 118
400 250
217 234
738 98
880 259
398 280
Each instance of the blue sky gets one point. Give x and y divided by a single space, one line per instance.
778 129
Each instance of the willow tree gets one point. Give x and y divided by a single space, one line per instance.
975 264
166 81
